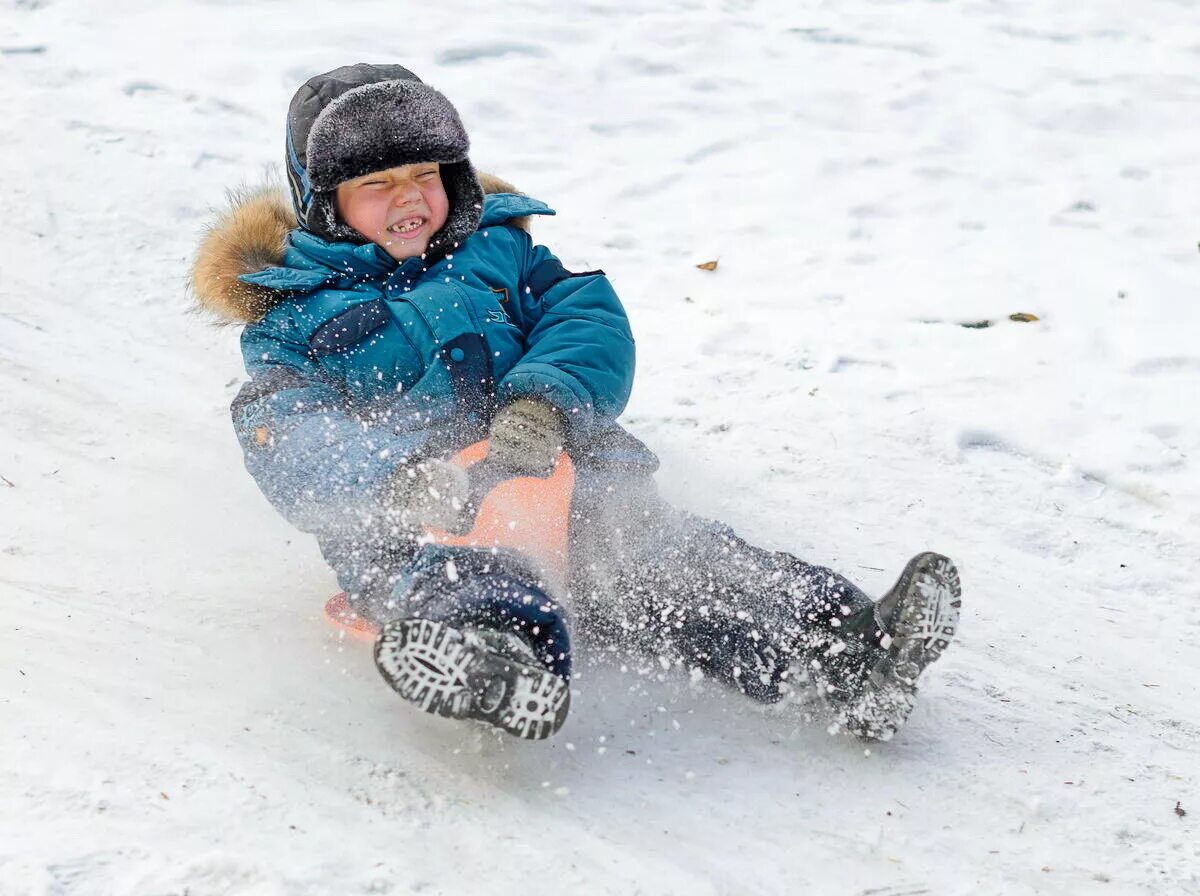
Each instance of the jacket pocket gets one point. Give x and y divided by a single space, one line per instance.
366 352
349 328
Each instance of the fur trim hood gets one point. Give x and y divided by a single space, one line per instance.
249 236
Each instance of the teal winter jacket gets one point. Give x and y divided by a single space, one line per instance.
362 363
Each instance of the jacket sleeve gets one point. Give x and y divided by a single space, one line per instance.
580 350
318 464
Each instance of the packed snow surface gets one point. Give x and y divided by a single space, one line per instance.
872 177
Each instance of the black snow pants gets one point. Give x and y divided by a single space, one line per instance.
665 583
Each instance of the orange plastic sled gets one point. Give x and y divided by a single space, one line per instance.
527 514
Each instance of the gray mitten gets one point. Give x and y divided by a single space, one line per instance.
527 437
429 493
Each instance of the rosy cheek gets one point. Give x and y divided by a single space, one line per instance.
373 212
438 203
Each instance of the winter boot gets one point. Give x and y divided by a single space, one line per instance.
474 640
868 675
472 673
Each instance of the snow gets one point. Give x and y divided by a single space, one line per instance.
176 717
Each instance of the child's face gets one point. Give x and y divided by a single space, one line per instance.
398 209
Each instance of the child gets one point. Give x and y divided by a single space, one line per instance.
403 314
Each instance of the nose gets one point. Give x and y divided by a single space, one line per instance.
405 192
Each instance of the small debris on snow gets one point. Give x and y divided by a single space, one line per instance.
708 265
1179 810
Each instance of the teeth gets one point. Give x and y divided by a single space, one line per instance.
407 226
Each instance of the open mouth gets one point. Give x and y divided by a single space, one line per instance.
408 228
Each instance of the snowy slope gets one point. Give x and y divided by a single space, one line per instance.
174 716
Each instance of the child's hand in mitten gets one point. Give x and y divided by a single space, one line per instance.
429 493
527 437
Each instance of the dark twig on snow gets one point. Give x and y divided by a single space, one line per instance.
8 482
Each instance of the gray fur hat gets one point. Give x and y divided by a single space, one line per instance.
363 118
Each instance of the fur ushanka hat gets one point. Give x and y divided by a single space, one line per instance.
362 118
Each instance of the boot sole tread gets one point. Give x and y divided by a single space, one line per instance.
925 622
452 673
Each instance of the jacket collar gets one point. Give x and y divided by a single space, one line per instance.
253 254
310 262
